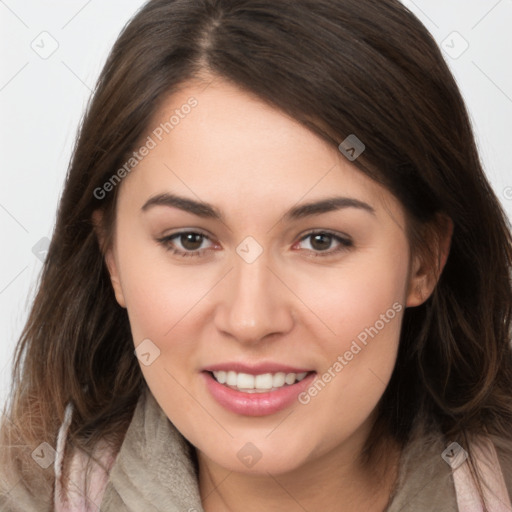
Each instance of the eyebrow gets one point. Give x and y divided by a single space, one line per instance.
199 208
327 205
207 211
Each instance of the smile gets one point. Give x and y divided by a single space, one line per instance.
261 393
265 382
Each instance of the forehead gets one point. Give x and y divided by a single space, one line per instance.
218 143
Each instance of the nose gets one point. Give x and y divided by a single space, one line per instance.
254 304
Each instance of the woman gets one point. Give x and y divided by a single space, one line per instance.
279 278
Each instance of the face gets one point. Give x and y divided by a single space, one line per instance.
265 280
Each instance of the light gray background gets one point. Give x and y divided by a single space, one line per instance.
42 98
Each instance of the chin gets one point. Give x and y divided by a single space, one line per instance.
258 456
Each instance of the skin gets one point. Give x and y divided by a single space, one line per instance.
253 163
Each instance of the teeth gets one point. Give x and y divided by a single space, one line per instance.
245 381
278 379
264 381
257 383
231 379
221 377
290 378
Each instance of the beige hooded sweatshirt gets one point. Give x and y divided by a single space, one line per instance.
154 472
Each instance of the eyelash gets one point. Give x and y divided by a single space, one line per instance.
345 244
167 240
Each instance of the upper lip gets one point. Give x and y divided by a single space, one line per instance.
255 369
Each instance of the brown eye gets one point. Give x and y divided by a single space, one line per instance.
321 241
187 243
191 241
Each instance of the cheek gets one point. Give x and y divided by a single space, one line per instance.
363 304
346 301
160 295
162 307
168 307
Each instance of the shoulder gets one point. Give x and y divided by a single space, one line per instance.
434 474
503 449
20 496
80 477
24 487
424 480
85 480
489 481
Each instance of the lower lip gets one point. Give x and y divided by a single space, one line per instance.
256 404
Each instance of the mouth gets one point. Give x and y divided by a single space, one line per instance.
250 391
259 383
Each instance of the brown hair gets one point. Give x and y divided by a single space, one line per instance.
339 67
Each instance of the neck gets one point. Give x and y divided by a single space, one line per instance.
334 481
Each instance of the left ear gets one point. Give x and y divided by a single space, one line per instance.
426 268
